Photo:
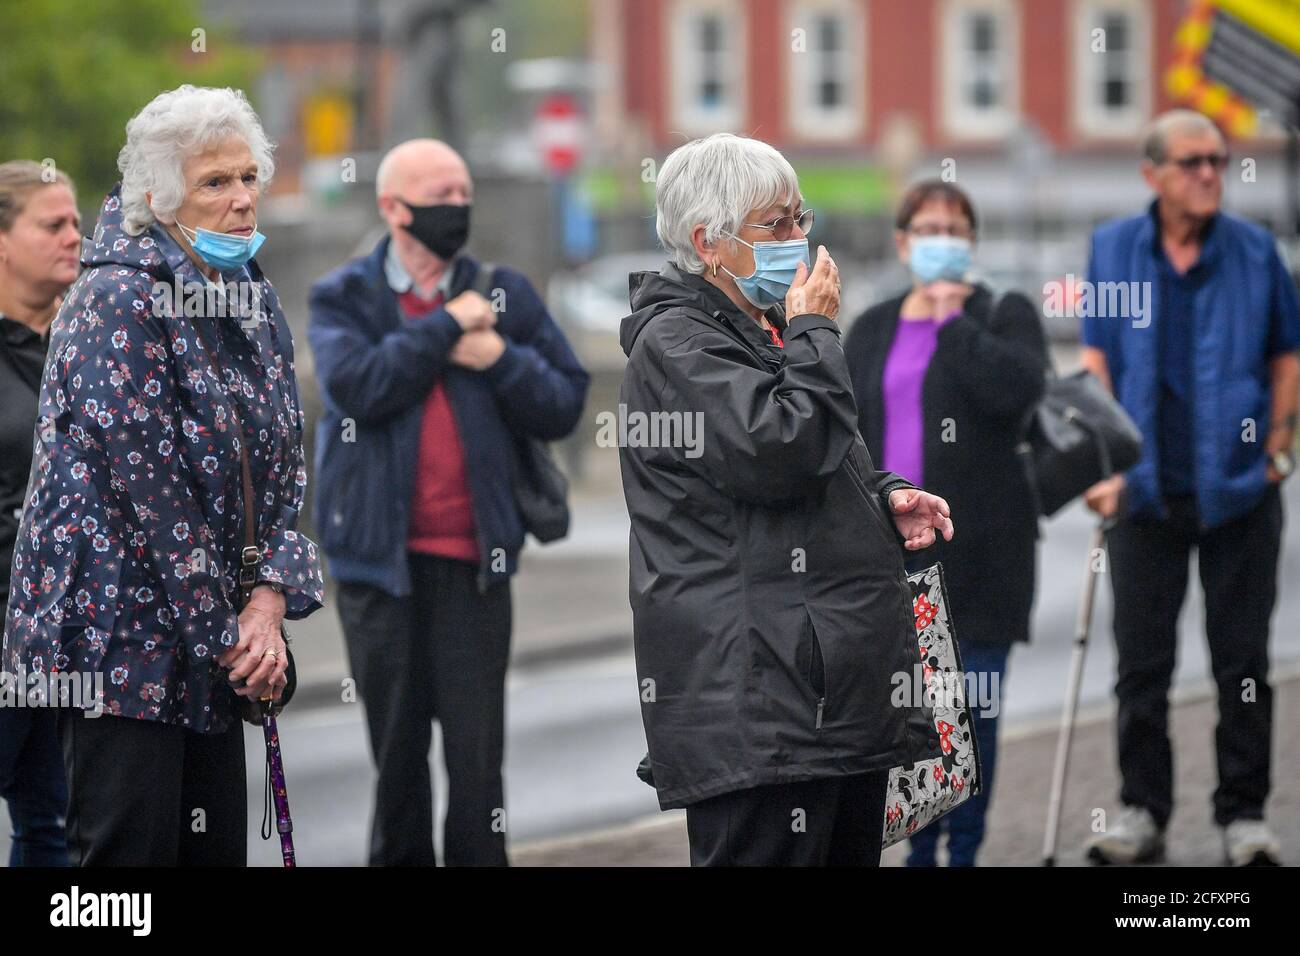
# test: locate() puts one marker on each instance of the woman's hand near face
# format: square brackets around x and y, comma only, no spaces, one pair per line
[946,297]
[262,674]
[817,293]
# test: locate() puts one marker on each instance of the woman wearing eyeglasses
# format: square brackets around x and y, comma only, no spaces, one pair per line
[943,375]
[770,610]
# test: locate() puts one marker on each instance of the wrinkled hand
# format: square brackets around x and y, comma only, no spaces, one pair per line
[471,311]
[917,515]
[1103,497]
[255,673]
[477,350]
[817,293]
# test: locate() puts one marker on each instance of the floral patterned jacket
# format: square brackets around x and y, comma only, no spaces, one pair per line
[129,546]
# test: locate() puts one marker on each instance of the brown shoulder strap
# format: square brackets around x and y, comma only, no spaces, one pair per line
[250,557]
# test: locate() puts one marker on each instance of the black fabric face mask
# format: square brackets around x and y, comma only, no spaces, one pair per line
[441,229]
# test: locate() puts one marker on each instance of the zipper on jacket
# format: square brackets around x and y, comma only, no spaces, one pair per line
[816,669]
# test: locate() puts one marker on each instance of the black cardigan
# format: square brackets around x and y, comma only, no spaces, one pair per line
[988,369]
[22,358]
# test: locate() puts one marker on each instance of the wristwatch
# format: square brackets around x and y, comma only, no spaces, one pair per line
[275,586]
[1283,463]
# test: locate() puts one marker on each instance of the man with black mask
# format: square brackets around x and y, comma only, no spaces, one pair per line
[428,386]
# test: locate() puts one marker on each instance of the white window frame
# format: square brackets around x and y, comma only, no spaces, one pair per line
[960,120]
[1091,117]
[805,116]
[685,67]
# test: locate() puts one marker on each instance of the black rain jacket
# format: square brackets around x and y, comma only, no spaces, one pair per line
[770,606]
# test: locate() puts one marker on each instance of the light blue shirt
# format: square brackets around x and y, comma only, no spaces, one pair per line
[400,281]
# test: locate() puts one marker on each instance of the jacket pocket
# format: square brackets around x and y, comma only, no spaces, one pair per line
[815,670]
[351,522]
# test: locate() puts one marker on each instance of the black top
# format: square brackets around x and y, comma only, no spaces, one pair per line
[1176,342]
[22,359]
[987,371]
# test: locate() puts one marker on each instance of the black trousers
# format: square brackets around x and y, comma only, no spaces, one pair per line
[440,653]
[1149,572]
[144,793]
[834,821]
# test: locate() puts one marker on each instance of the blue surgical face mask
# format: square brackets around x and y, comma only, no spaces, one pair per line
[775,266]
[221,250]
[932,258]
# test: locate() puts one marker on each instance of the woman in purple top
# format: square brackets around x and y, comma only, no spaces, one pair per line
[943,375]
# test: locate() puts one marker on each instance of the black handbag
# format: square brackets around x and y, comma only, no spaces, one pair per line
[540,488]
[1076,436]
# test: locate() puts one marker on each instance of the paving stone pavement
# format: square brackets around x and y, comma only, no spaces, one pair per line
[1018,812]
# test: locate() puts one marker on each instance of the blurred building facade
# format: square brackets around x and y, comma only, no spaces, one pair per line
[1017,99]
[340,82]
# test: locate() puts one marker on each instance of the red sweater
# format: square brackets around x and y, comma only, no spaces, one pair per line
[442,514]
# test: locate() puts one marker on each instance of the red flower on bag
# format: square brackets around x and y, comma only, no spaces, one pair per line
[925,612]
[938,773]
[945,730]
[958,783]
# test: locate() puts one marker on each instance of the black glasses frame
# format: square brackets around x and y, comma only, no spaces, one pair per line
[1192,164]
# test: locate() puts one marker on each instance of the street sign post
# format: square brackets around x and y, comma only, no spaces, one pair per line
[558,132]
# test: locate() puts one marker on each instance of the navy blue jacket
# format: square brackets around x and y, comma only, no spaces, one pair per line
[1246,314]
[375,370]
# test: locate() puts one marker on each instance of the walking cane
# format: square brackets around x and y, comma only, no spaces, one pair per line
[276,792]
[1082,627]
[250,558]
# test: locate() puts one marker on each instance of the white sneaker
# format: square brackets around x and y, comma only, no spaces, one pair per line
[1250,843]
[1133,837]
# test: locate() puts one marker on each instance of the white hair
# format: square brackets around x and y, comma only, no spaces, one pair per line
[1155,144]
[715,182]
[174,126]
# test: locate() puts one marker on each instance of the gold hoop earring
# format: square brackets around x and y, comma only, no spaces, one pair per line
[715,270]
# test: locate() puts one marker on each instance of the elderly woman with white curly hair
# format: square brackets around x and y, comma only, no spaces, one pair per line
[770,607]
[158,550]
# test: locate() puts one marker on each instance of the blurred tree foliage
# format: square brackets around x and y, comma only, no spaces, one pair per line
[72,72]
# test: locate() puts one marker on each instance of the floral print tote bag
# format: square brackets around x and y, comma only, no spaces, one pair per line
[922,792]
